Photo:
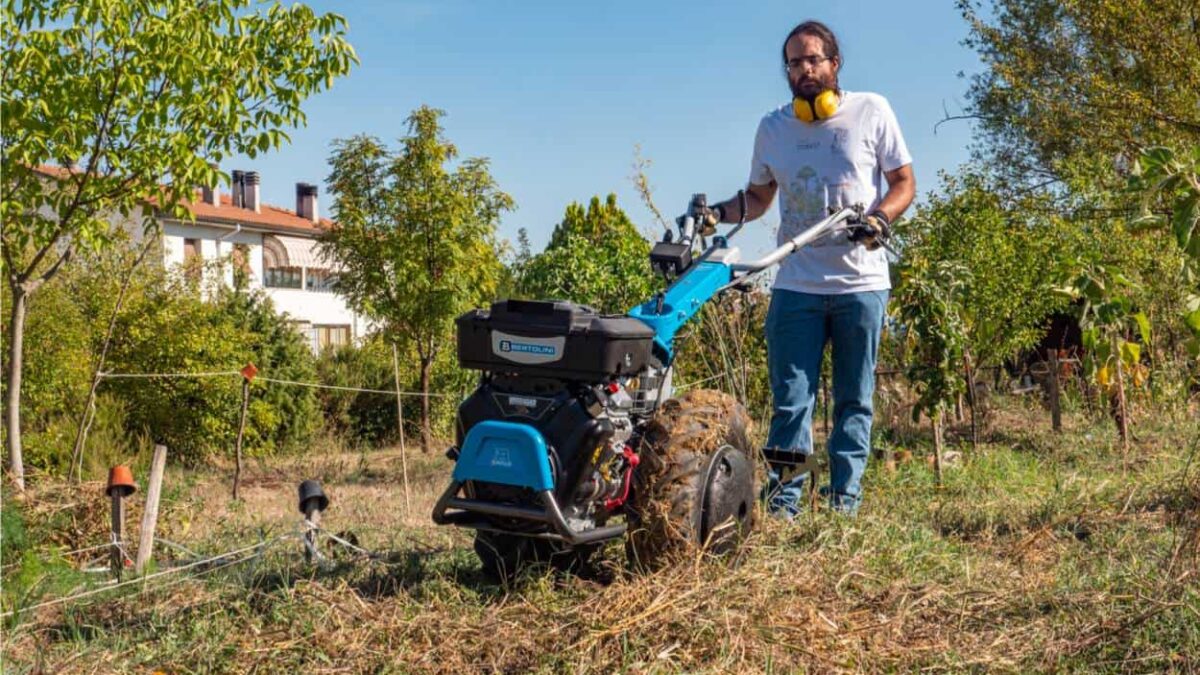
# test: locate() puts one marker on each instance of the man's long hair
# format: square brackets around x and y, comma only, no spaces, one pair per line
[828,41]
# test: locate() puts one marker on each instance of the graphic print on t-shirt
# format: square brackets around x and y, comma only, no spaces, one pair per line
[809,197]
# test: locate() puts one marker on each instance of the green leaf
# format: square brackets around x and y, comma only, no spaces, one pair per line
[1143,325]
[1192,321]
[1131,352]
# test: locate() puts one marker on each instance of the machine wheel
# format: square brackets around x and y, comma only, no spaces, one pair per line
[504,556]
[695,488]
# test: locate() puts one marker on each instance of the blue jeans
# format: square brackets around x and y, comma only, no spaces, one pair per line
[798,326]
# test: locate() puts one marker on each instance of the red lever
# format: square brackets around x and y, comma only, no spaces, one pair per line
[613,387]
[634,460]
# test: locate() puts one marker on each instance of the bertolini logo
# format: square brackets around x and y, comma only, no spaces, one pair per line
[527,350]
[510,346]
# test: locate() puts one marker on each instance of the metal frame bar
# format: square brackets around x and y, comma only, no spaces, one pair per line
[454,510]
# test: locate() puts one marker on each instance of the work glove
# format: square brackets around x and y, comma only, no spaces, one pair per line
[873,232]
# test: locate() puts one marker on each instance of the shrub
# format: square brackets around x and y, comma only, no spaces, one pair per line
[359,417]
[171,329]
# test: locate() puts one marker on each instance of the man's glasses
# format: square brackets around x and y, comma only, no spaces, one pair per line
[798,64]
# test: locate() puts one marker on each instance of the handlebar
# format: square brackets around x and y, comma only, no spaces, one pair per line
[821,229]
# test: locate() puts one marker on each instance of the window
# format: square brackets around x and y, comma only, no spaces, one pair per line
[320,281]
[193,260]
[331,336]
[191,249]
[281,277]
[240,257]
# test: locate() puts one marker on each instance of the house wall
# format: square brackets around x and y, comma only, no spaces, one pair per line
[213,247]
[316,309]
[307,308]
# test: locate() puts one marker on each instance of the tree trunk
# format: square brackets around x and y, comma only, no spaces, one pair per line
[426,430]
[16,340]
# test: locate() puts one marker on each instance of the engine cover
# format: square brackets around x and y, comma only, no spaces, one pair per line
[552,339]
[558,415]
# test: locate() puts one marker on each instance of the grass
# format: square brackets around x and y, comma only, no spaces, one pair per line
[1039,552]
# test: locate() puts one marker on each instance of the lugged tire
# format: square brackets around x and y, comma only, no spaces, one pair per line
[667,515]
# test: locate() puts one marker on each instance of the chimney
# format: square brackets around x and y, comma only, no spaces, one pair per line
[306,202]
[237,179]
[250,195]
[212,193]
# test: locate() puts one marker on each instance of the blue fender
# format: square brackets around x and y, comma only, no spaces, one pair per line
[507,453]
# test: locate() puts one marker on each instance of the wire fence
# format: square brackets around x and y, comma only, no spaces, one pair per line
[272,380]
[308,534]
[259,547]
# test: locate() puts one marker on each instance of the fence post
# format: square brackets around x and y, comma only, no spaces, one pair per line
[1055,403]
[400,422]
[150,516]
[115,558]
[248,372]
[120,486]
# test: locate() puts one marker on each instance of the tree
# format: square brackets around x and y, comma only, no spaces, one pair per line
[416,241]
[929,306]
[133,101]
[595,256]
[1069,85]
[1014,253]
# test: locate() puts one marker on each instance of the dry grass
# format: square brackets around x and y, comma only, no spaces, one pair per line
[1037,554]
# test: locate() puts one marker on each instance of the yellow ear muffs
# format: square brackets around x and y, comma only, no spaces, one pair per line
[822,107]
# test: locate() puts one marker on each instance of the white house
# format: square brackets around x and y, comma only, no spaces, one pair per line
[275,247]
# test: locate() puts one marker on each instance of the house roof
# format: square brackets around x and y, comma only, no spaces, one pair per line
[268,216]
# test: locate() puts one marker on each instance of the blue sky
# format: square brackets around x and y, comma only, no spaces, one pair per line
[557,94]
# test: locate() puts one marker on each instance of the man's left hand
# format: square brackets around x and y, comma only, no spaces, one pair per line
[873,232]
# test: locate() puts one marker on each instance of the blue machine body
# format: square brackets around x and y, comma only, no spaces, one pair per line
[506,453]
[682,301]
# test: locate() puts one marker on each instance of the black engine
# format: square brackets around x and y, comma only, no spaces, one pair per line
[562,369]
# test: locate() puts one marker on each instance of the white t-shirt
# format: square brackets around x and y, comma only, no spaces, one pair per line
[838,161]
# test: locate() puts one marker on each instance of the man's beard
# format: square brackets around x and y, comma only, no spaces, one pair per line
[809,89]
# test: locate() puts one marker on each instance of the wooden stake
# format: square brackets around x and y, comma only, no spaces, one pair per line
[813,490]
[1055,403]
[237,473]
[116,558]
[972,401]
[1122,404]
[825,410]
[400,422]
[150,516]
[937,445]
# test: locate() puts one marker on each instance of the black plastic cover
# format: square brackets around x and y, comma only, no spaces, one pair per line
[671,259]
[555,339]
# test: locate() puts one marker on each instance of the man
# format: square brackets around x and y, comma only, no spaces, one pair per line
[827,148]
